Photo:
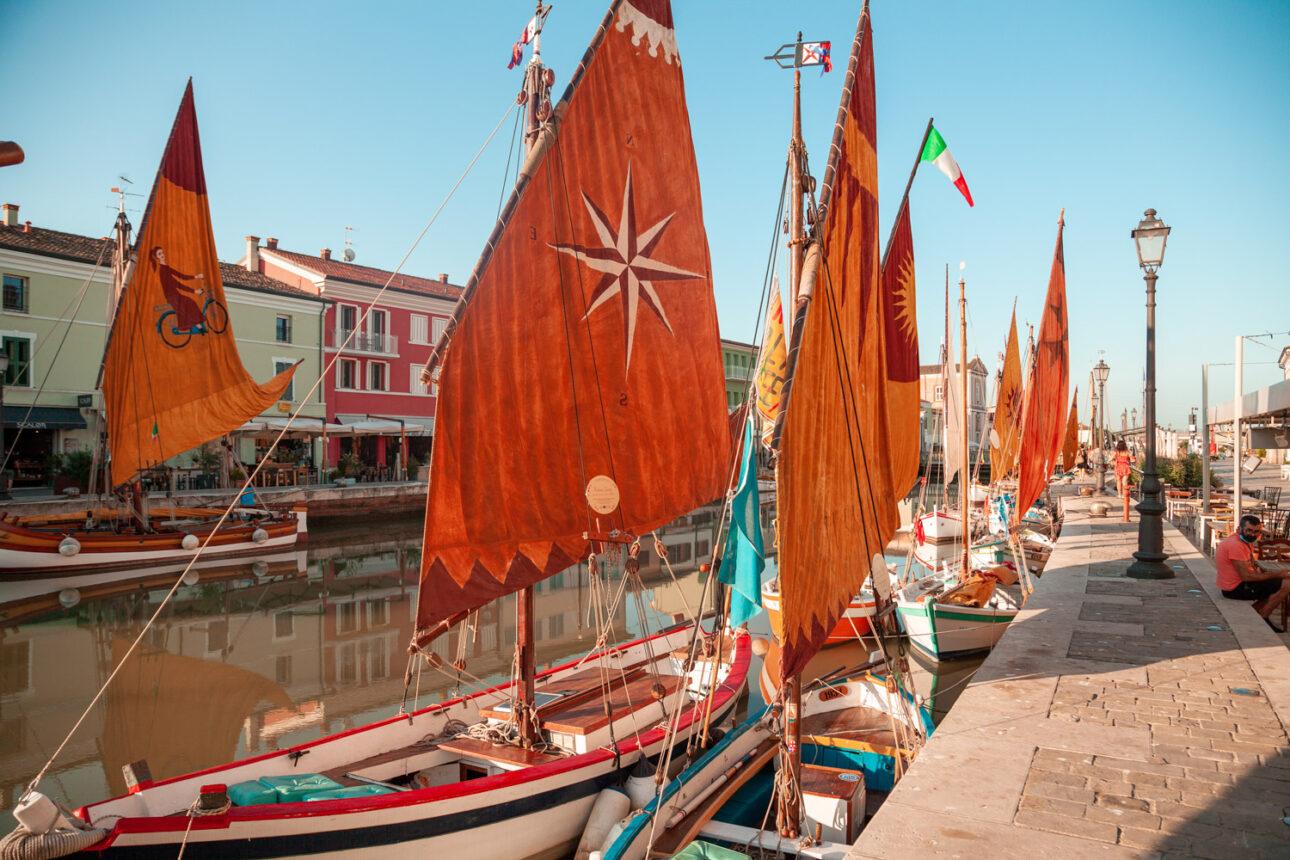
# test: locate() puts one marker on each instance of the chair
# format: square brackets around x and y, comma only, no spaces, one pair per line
[1272,496]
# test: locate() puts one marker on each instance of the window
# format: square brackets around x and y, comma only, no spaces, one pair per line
[347,373]
[284,624]
[555,626]
[19,351]
[282,329]
[348,319]
[15,667]
[940,392]
[283,670]
[377,376]
[346,617]
[440,326]
[15,294]
[279,365]
[378,327]
[415,385]
[378,613]
[420,328]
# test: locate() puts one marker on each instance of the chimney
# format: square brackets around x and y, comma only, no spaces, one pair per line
[271,243]
[443,277]
[253,253]
[26,226]
[325,253]
[9,215]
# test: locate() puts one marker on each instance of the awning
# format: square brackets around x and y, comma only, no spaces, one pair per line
[44,418]
[310,426]
[1267,403]
[375,427]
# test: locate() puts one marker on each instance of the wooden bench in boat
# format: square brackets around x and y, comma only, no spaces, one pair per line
[588,715]
[503,755]
[572,689]
[853,727]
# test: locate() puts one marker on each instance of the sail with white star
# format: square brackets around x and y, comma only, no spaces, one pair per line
[581,393]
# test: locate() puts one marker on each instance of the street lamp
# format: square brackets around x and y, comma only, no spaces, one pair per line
[1133,417]
[1150,237]
[1101,371]
[4,373]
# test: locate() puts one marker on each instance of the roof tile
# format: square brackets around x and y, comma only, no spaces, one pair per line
[367,275]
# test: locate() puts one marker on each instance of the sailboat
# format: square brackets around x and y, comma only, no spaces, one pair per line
[564,435]
[834,737]
[172,380]
[957,611]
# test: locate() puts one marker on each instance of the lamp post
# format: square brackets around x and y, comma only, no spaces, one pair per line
[4,479]
[1150,237]
[1101,372]
[1133,417]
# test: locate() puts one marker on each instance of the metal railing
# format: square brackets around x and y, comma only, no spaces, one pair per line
[361,341]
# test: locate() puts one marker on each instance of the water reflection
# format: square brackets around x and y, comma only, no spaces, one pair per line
[264,654]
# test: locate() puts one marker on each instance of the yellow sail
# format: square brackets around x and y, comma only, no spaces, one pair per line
[172,376]
[1005,442]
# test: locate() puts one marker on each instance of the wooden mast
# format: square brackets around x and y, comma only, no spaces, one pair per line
[790,812]
[536,94]
[965,478]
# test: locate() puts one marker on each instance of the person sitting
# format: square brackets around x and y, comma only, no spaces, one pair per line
[1235,563]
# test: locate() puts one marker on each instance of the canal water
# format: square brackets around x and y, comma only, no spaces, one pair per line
[256,655]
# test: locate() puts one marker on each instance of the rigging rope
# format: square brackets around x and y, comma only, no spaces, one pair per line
[250,478]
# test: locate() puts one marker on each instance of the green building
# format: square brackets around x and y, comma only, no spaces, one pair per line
[739,360]
[57,290]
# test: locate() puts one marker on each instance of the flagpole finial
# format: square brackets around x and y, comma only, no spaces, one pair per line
[1061,217]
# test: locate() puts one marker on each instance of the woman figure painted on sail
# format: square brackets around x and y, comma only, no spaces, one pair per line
[1123,466]
[188,312]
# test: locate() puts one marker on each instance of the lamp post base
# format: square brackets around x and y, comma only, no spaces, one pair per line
[1149,565]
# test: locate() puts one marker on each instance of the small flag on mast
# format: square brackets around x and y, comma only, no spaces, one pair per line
[817,54]
[517,50]
[938,153]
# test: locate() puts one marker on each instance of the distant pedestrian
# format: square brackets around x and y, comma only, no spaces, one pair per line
[1235,563]
[1083,457]
[1123,466]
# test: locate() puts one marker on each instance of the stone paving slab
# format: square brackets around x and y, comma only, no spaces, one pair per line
[1117,717]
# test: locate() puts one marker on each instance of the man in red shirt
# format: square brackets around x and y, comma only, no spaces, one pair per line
[1237,571]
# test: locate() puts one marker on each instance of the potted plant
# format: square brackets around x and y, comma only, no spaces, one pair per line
[71,470]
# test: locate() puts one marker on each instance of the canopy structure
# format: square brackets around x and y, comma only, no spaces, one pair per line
[1261,406]
[307,426]
[378,427]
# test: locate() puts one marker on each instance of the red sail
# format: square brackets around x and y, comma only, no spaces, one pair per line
[836,506]
[1070,445]
[1044,418]
[582,391]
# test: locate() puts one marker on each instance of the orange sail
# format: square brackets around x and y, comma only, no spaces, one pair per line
[172,376]
[1070,445]
[1006,439]
[1042,425]
[836,506]
[900,337]
[772,366]
[582,392]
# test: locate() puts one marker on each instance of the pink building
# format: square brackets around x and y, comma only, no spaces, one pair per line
[377,372]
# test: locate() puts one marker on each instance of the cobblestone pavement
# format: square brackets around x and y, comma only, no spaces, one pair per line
[1137,718]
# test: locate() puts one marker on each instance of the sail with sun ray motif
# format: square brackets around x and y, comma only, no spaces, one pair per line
[900,341]
[582,395]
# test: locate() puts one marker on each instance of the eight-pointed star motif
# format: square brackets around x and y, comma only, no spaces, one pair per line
[624,260]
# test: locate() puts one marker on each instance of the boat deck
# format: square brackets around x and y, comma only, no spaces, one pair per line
[864,725]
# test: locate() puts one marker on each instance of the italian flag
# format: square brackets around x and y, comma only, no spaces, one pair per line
[939,154]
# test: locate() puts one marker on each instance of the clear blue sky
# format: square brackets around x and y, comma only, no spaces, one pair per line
[319,115]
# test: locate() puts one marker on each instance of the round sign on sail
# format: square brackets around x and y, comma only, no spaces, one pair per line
[602,494]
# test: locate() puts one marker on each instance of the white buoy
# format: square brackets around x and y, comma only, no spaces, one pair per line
[259,536]
[69,597]
[189,542]
[260,569]
[191,577]
[611,805]
[69,546]
[37,813]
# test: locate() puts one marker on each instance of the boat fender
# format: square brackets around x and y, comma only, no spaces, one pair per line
[46,830]
[69,546]
[259,536]
[260,568]
[69,597]
[190,541]
[611,806]
[611,837]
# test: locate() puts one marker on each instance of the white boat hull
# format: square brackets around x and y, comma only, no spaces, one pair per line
[944,631]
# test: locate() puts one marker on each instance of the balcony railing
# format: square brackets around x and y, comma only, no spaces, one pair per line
[361,341]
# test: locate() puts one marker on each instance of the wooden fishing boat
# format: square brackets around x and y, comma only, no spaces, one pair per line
[939,526]
[854,622]
[946,630]
[432,780]
[54,546]
[837,502]
[583,446]
[172,380]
